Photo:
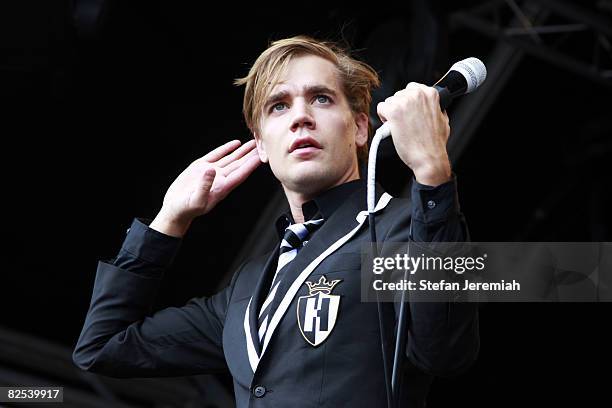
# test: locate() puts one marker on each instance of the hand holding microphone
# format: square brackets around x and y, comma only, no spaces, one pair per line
[419,126]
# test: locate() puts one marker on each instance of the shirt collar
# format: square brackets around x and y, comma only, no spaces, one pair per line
[322,205]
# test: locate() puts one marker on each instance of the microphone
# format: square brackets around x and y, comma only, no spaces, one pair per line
[462,78]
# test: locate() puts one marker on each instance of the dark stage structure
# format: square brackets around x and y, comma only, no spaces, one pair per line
[105,102]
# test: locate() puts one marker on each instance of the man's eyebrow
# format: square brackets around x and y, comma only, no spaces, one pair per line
[308,90]
[319,89]
[276,97]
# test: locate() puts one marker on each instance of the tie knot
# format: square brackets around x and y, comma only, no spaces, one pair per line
[296,234]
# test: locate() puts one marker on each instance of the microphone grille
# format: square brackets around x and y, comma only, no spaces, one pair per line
[473,70]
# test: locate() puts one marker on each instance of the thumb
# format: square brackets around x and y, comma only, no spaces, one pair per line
[207,179]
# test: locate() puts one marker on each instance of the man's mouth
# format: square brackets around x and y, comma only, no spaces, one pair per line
[304,143]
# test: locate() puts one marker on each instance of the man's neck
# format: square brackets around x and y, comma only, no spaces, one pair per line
[297,199]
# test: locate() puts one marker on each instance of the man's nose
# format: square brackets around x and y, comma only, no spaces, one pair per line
[302,116]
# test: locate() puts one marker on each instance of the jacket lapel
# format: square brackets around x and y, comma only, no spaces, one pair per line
[344,223]
[338,229]
[251,313]
[261,292]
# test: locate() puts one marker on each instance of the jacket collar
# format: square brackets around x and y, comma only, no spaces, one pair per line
[324,205]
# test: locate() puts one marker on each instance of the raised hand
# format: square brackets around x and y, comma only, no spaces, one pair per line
[200,187]
[420,132]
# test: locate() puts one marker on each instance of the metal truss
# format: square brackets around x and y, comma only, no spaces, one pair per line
[572,37]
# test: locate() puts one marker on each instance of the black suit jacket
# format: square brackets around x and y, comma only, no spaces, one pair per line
[122,338]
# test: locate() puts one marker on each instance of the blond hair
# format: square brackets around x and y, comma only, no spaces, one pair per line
[357,78]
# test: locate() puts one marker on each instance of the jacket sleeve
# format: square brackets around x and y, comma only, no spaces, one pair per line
[443,337]
[121,337]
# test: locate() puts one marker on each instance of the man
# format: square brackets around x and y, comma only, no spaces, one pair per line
[290,326]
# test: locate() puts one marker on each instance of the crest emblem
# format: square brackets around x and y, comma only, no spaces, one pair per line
[317,312]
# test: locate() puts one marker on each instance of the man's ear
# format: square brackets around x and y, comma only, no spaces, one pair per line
[261,150]
[361,136]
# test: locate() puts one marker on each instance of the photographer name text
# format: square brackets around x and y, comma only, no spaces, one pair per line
[442,285]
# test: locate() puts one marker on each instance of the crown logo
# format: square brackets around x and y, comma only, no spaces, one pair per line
[322,286]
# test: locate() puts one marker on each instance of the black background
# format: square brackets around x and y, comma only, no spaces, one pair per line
[96,127]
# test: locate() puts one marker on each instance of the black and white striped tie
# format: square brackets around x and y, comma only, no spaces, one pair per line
[295,238]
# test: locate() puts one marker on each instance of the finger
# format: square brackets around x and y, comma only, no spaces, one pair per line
[380,110]
[433,96]
[241,173]
[236,154]
[221,151]
[207,179]
[447,128]
[238,163]
[205,185]
[420,92]
[414,85]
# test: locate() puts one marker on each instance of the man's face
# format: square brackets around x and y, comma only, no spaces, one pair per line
[308,132]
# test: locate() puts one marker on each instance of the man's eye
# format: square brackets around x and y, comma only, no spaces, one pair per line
[323,99]
[277,107]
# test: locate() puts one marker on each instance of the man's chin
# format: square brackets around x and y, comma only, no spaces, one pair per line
[309,179]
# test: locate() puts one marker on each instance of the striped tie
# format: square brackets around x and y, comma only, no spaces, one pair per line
[294,239]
